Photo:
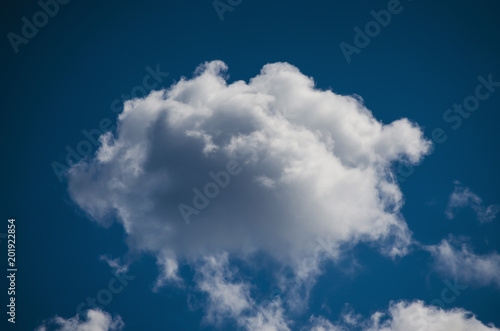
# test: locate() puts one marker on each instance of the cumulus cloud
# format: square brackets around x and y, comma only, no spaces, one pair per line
[466,266]
[462,197]
[97,320]
[223,158]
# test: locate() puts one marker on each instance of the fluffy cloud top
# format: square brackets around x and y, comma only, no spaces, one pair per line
[462,197]
[97,320]
[465,266]
[416,316]
[408,316]
[267,165]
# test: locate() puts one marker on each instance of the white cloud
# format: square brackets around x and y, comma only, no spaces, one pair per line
[229,298]
[462,197]
[96,320]
[416,316]
[268,318]
[465,266]
[226,298]
[249,179]
[322,172]
[168,271]
[408,316]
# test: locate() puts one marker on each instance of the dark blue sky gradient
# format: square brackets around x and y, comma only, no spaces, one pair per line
[66,78]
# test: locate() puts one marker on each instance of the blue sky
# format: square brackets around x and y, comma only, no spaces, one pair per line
[363,153]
